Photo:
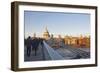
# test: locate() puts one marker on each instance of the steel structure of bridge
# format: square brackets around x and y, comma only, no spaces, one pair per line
[45,52]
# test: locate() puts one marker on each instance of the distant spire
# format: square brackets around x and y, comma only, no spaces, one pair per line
[46,30]
[34,35]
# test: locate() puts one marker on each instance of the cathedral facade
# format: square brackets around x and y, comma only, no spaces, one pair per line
[67,40]
[46,34]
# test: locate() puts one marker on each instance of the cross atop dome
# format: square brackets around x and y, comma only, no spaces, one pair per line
[46,30]
[46,34]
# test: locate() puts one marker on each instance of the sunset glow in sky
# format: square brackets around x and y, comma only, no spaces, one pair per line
[56,22]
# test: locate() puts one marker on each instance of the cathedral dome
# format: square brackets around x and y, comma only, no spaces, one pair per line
[46,34]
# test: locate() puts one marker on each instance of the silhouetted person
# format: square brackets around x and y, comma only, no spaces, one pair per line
[41,42]
[42,45]
[35,44]
[28,45]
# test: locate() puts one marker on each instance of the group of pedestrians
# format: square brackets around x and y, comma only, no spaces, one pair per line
[32,45]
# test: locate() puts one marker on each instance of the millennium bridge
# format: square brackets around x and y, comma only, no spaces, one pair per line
[48,53]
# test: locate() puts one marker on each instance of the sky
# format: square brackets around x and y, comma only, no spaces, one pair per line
[57,23]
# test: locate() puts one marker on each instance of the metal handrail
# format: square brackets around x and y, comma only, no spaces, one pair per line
[52,53]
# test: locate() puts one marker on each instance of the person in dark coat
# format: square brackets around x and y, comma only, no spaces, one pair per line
[42,45]
[28,46]
[35,44]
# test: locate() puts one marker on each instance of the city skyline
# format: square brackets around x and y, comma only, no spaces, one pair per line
[56,22]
